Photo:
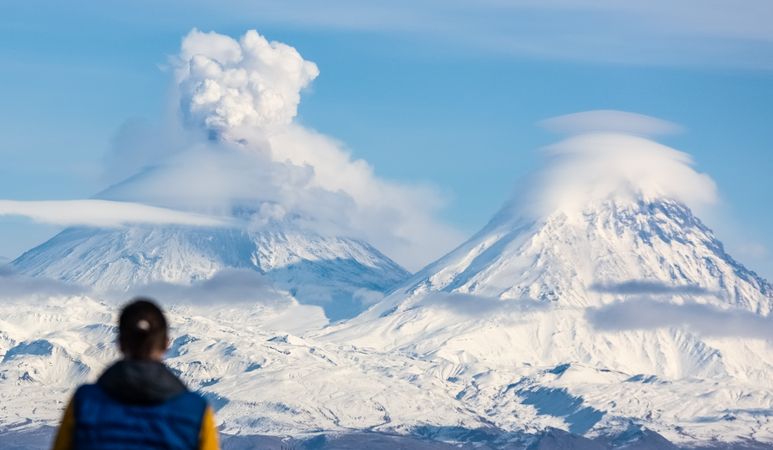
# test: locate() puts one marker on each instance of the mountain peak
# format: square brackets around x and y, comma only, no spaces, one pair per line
[565,255]
[594,168]
[512,320]
[327,271]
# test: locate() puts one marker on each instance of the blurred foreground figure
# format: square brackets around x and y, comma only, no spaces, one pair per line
[138,403]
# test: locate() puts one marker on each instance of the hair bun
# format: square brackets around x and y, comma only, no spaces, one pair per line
[143,325]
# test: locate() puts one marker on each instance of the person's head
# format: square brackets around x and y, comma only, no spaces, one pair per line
[142,330]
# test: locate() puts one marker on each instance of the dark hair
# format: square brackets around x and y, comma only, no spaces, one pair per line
[142,329]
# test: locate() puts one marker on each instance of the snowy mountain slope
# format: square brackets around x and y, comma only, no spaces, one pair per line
[506,317]
[264,381]
[606,252]
[560,257]
[498,344]
[260,379]
[435,359]
[120,258]
[328,271]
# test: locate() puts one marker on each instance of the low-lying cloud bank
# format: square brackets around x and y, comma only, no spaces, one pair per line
[13,286]
[479,306]
[706,320]
[644,287]
[228,286]
[224,288]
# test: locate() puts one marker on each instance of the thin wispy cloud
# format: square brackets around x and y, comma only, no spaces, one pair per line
[610,121]
[715,33]
[103,213]
[659,32]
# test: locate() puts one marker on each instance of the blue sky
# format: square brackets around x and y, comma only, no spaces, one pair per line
[446,93]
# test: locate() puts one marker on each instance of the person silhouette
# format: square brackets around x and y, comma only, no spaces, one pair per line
[138,403]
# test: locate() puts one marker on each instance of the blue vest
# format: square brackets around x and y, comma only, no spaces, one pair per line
[102,423]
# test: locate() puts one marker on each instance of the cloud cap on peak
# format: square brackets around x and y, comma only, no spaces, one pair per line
[601,165]
[224,83]
[590,168]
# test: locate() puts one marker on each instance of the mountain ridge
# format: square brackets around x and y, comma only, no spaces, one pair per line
[491,345]
[460,270]
[324,271]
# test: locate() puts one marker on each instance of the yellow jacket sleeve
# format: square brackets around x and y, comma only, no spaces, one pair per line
[64,435]
[208,439]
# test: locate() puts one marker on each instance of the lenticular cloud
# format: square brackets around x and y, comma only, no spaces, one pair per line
[607,157]
[226,83]
[610,120]
[597,166]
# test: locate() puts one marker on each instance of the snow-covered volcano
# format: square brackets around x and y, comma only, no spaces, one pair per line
[493,345]
[617,317]
[513,320]
[655,247]
[333,272]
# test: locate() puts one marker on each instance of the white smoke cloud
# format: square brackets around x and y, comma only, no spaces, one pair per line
[103,213]
[252,82]
[266,168]
[606,162]
[398,218]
